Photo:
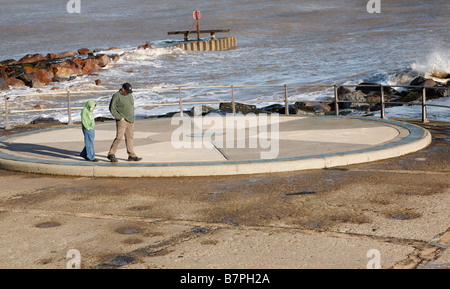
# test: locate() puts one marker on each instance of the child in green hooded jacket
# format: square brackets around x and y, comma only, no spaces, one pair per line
[88,126]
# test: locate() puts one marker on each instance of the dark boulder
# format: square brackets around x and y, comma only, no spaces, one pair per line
[3,85]
[367,87]
[6,72]
[314,107]
[59,79]
[27,78]
[274,108]
[9,62]
[145,46]
[102,60]
[43,76]
[240,107]
[30,58]
[351,99]
[44,64]
[114,57]
[433,89]
[429,83]
[45,120]
[36,84]
[77,62]
[410,96]
[437,92]
[66,54]
[64,70]
[343,90]
[84,51]
[374,88]
[14,82]
[29,68]
[200,110]
[420,81]
[90,66]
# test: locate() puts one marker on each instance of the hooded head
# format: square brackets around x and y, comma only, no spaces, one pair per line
[90,104]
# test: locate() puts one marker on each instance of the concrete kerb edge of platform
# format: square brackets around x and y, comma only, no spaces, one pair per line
[247,168]
[410,144]
[376,155]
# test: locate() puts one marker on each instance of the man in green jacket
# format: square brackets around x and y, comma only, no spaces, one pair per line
[122,108]
[88,126]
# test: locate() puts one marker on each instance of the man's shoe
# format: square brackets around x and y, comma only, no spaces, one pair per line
[95,160]
[112,158]
[134,159]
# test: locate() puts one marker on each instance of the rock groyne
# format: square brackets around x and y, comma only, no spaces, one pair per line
[37,70]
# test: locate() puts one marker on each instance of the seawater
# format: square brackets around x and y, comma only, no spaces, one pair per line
[279,42]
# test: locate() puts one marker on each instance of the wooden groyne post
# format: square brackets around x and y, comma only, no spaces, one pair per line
[207,45]
[213,44]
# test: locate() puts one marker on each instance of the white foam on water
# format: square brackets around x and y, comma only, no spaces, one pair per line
[435,65]
[415,111]
[278,43]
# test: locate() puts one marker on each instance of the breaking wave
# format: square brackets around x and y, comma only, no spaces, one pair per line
[436,65]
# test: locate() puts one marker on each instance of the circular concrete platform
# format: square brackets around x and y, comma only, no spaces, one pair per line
[217,145]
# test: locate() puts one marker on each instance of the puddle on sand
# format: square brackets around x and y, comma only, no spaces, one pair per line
[300,193]
[47,225]
[116,262]
[140,208]
[132,241]
[403,215]
[128,230]
[314,224]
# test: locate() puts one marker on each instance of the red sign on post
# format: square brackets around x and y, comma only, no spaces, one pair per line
[197,15]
